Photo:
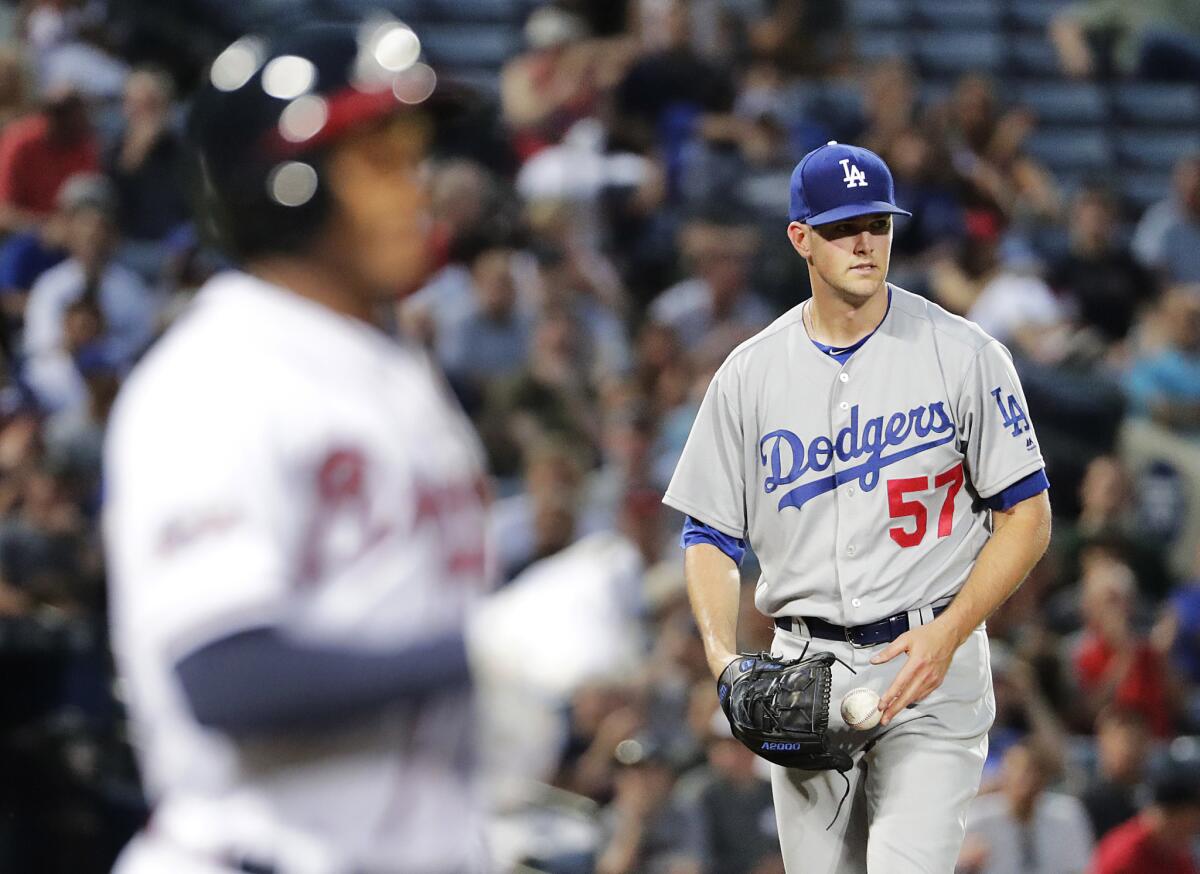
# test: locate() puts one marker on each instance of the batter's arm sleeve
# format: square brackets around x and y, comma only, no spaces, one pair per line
[709,482]
[1001,446]
[260,682]
[194,518]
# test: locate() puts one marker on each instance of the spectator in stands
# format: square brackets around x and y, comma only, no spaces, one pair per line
[796,37]
[74,436]
[737,815]
[1023,714]
[922,185]
[627,434]
[146,162]
[67,40]
[127,308]
[462,194]
[1160,839]
[547,396]
[1011,303]
[1113,795]
[1108,519]
[1115,666]
[1107,287]
[559,79]
[985,146]
[1152,39]
[581,286]
[647,830]
[39,153]
[1164,384]
[1167,239]
[1024,829]
[1180,628]
[491,336]
[889,106]
[57,380]
[25,256]
[718,293]
[670,84]
[14,87]
[601,716]
[552,477]
[47,550]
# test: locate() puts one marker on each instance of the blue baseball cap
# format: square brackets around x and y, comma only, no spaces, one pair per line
[835,182]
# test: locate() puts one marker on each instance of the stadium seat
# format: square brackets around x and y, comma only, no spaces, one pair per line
[1157,149]
[1072,150]
[1064,102]
[411,12]
[506,11]
[953,52]
[1159,104]
[483,80]
[461,45]
[1032,55]
[977,15]
[878,13]
[876,45]
[933,93]
[1140,189]
[1033,15]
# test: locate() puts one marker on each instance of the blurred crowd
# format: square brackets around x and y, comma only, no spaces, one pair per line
[611,228]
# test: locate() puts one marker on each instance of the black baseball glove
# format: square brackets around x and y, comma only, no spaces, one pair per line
[779,708]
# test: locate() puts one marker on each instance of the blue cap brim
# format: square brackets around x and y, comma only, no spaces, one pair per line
[853,210]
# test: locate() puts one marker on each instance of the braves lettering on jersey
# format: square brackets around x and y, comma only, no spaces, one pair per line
[272,462]
[859,485]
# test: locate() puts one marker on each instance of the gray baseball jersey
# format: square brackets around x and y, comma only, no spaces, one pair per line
[860,486]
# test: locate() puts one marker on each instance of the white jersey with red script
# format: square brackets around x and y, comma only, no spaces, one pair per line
[272,462]
[860,486]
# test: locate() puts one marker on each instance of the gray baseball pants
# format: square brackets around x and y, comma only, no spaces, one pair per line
[912,780]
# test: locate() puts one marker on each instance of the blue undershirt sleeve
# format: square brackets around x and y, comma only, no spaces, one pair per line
[695,531]
[261,683]
[1026,487]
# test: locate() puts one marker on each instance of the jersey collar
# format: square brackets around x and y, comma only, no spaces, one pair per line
[839,356]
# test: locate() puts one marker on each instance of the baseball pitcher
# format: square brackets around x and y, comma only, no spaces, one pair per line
[876,453]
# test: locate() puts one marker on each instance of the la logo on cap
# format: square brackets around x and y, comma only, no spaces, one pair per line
[854,177]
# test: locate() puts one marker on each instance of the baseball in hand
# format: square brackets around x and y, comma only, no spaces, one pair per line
[860,709]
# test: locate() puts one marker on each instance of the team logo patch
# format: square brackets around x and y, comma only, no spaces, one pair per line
[1012,415]
[789,458]
[854,177]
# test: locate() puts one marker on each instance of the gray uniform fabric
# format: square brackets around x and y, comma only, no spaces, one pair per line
[913,779]
[859,487]
[846,479]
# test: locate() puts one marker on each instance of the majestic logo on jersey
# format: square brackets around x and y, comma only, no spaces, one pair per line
[854,177]
[1011,414]
[789,458]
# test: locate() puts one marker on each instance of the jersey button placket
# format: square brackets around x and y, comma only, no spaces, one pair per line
[846,526]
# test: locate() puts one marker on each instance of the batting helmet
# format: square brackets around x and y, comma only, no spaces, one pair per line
[271,107]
